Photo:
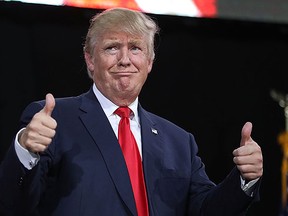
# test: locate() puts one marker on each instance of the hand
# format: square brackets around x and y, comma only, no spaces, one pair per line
[38,134]
[248,157]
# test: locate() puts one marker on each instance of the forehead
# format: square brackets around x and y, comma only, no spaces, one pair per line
[122,36]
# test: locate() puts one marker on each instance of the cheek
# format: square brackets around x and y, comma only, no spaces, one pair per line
[143,65]
[104,64]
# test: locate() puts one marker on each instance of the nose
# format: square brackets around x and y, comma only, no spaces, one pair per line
[123,58]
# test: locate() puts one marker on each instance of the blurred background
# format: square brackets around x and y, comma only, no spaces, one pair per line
[223,62]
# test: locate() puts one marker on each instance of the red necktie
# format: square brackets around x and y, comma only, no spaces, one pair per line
[133,160]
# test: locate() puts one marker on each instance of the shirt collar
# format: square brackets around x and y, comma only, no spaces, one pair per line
[110,107]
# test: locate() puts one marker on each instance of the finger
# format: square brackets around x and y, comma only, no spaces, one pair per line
[246,133]
[249,171]
[49,105]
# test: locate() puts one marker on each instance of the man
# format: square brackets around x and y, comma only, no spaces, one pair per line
[66,158]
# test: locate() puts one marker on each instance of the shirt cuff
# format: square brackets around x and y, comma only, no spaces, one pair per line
[248,187]
[28,159]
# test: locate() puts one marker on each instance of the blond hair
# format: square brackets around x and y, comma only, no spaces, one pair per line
[121,19]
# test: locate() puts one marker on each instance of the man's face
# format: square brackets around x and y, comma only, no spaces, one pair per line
[120,65]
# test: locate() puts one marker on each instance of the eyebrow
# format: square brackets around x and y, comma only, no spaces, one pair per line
[118,42]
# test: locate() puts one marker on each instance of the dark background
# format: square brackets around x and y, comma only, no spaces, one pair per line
[210,76]
[258,10]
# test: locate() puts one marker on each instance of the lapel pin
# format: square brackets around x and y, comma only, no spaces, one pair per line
[154,131]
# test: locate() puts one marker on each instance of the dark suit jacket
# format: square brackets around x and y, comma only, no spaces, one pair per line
[83,171]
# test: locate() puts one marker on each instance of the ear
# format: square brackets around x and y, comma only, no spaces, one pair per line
[150,64]
[89,61]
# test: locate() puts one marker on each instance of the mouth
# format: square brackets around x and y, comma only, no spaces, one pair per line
[124,73]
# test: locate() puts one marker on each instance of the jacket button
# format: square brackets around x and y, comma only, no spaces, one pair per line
[20,181]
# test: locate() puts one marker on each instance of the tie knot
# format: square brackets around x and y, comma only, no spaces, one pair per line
[123,112]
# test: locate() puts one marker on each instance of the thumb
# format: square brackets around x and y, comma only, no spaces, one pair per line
[246,133]
[49,105]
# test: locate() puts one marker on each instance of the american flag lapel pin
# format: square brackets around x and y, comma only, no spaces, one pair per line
[154,131]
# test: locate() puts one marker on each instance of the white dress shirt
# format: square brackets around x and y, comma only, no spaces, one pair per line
[109,109]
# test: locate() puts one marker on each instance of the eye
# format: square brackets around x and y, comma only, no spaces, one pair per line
[136,49]
[111,49]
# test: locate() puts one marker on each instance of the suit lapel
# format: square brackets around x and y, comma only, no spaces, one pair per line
[152,151]
[101,131]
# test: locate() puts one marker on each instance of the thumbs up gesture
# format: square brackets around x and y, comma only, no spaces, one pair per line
[248,157]
[38,134]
